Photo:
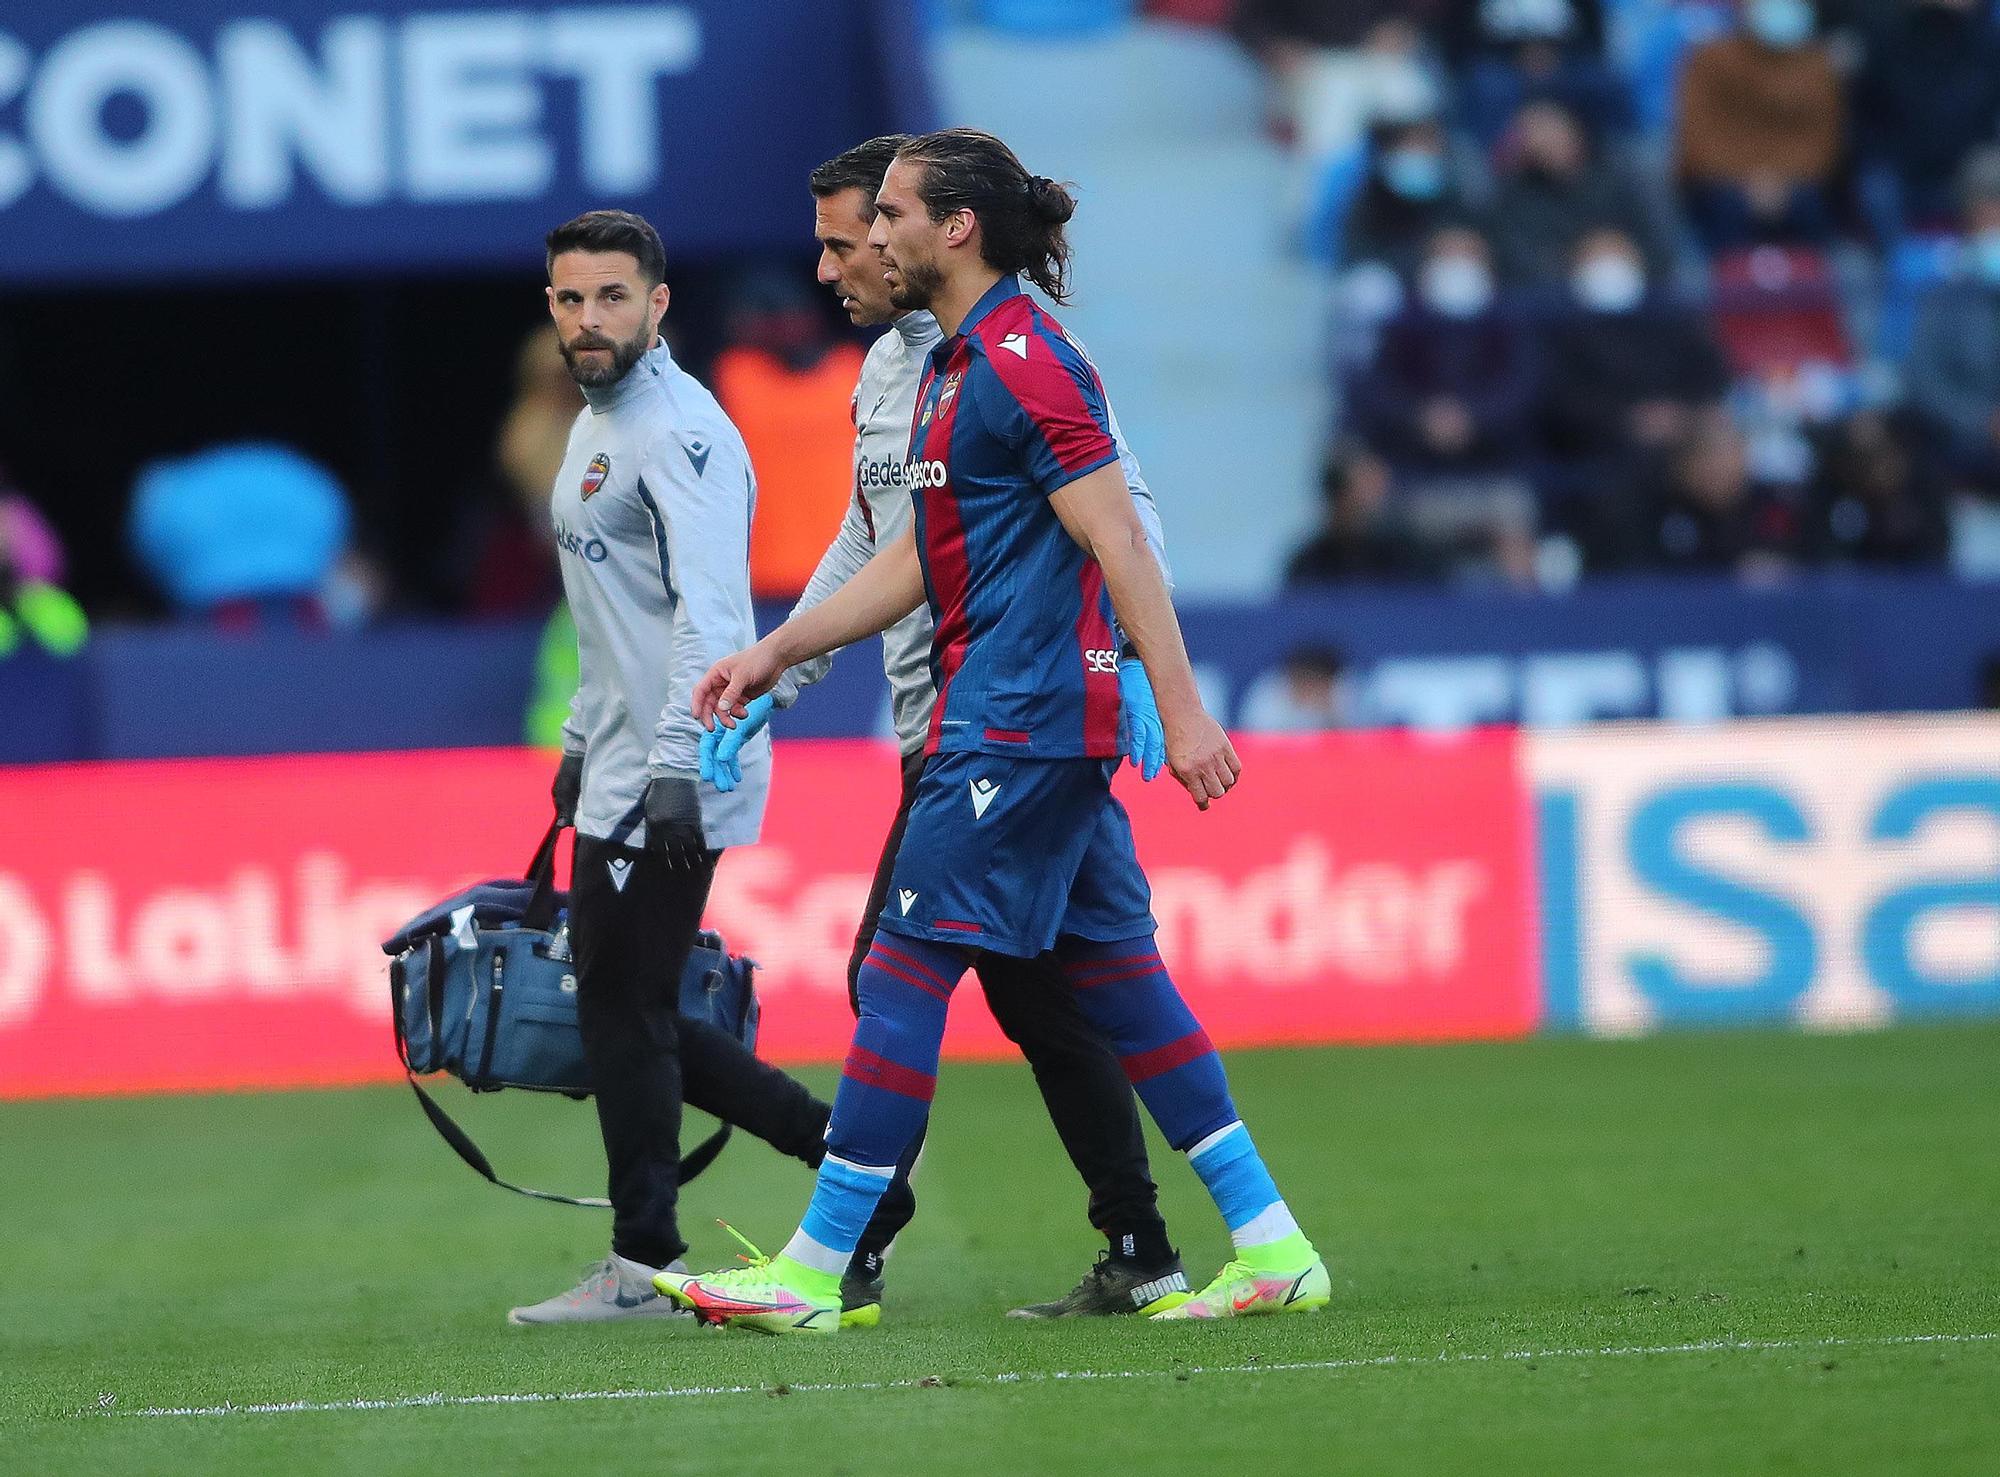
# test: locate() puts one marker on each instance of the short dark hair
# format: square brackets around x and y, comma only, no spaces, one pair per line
[1021,215]
[860,168]
[612,230]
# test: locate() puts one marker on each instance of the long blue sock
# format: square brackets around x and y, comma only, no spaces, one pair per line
[1242,1188]
[884,1095]
[1125,991]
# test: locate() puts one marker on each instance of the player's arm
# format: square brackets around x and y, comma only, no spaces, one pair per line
[1050,405]
[852,547]
[886,589]
[1098,511]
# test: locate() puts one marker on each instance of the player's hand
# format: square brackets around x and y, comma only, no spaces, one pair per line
[1202,759]
[1140,733]
[567,791]
[720,746]
[673,822]
[729,686]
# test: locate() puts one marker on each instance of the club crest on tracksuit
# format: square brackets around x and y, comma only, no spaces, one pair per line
[595,473]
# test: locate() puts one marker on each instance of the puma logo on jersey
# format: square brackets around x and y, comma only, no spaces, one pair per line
[907,898]
[983,792]
[1016,343]
[621,871]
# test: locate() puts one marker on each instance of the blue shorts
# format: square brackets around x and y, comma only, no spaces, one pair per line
[1011,854]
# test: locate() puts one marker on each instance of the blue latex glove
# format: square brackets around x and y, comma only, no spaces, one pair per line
[720,746]
[1140,733]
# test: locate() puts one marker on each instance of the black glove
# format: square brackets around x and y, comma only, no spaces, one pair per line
[568,788]
[673,823]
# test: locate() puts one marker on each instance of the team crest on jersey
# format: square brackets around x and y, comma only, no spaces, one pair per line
[595,473]
[950,389]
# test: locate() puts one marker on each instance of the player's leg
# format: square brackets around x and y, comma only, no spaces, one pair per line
[861,1286]
[1113,964]
[1092,1107]
[904,987]
[632,922]
[879,1109]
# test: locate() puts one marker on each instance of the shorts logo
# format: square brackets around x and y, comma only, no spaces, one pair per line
[621,872]
[983,792]
[907,898]
[595,473]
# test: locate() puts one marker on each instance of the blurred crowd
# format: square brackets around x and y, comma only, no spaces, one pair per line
[1647,285]
[1611,285]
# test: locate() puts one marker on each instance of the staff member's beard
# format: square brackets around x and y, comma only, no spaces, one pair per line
[592,375]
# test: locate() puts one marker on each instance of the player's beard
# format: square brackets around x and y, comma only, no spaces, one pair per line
[593,376]
[919,285]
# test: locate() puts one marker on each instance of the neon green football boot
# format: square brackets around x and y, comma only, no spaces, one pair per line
[1284,1277]
[767,1294]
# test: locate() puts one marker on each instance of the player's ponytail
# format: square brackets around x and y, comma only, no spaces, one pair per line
[1021,216]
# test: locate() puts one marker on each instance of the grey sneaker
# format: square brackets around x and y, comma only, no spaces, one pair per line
[1112,1287]
[614,1289]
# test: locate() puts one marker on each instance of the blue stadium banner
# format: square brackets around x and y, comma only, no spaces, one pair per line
[183,138]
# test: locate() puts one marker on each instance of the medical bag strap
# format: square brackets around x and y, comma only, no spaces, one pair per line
[541,910]
[462,1145]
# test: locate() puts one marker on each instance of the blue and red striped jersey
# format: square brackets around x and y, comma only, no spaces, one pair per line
[1023,655]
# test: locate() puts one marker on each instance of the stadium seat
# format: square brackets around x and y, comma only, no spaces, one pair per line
[1914,264]
[1054,17]
[1777,310]
[1333,196]
[1649,39]
[1214,13]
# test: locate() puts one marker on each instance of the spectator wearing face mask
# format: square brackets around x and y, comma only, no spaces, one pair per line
[1410,192]
[1337,67]
[1953,372]
[1308,693]
[1704,514]
[1761,120]
[1555,187]
[1874,501]
[1507,51]
[1449,401]
[1930,91]
[1363,536]
[1629,370]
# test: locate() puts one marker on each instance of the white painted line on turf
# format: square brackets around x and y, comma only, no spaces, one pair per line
[1037,1377]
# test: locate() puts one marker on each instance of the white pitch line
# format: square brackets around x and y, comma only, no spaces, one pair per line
[1037,1377]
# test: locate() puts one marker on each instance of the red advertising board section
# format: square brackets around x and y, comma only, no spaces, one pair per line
[212,924]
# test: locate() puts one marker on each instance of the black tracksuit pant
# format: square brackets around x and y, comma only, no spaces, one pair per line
[1085,1088]
[633,918]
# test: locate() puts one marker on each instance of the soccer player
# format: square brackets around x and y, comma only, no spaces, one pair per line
[1026,545]
[1085,1089]
[652,515]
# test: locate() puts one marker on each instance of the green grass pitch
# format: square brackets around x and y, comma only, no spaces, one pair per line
[1703,1253]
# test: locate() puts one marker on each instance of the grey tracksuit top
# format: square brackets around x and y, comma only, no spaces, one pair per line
[885,402]
[652,519]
